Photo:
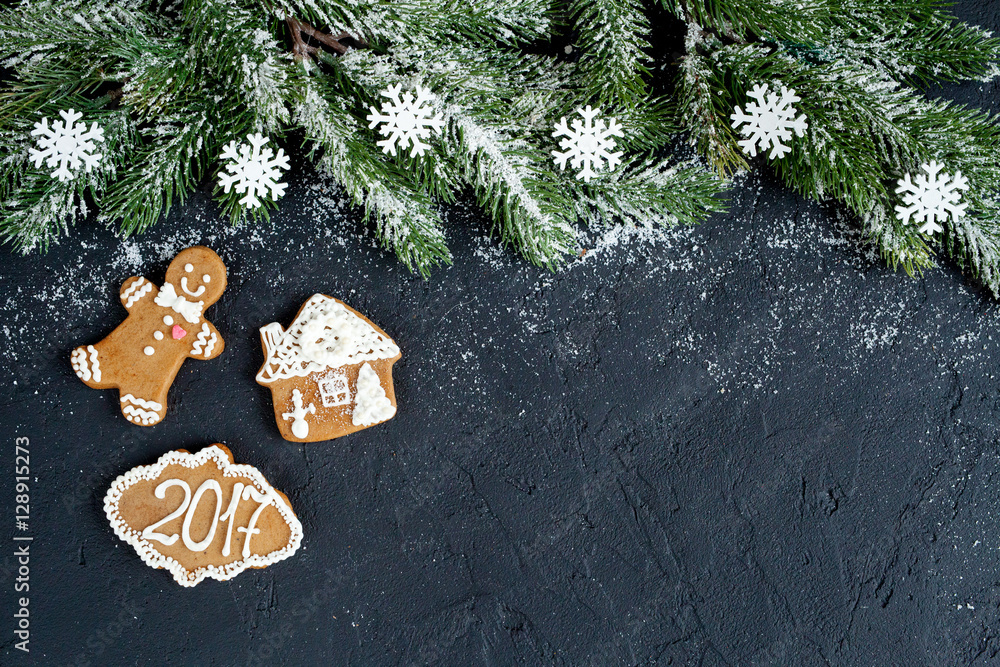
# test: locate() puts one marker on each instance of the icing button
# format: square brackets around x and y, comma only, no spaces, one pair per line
[149,350]
[177,332]
[168,320]
[158,335]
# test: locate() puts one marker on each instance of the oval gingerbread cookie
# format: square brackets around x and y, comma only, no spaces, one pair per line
[330,372]
[165,326]
[201,515]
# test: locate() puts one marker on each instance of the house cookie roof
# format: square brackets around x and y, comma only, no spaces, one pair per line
[326,334]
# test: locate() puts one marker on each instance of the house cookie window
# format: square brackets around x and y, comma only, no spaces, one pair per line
[333,391]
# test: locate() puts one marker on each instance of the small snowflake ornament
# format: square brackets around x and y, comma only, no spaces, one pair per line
[254,170]
[405,121]
[769,121]
[588,143]
[66,145]
[931,198]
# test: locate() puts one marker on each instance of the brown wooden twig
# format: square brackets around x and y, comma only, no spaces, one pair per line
[302,49]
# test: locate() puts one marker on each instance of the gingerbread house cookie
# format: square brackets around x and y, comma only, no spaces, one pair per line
[330,372]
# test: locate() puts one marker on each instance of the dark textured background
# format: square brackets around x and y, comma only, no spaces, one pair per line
[743,443]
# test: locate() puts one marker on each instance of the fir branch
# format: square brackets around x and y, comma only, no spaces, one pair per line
[865,132]
[505,171]
[854,143]
[966,140]
[302,49]
[486,22]
[58,51]
[169,160]
[912,41]
[405,218]
[424,22]
[613,36]
[242,58]
[704,113]
[528,209]
[651,191]
[39,209]
[525,92]
[42,210]
[743,21]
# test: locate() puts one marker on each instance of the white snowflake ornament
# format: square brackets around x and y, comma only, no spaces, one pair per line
[588,143]
[405,121]
[930,197]
[769,121]
[254,169]
[66,145]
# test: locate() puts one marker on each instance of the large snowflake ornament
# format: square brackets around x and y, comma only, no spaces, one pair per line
[769,121]
[588,143]
[405,121]
[254,169]
[66,144]
[930,197]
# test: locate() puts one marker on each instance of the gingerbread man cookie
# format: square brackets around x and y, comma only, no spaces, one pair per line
[164,327]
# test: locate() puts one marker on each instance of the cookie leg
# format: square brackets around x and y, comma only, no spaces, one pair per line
[86,364]
[142,411]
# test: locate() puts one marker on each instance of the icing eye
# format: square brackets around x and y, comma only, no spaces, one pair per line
[206,278]
[189,267]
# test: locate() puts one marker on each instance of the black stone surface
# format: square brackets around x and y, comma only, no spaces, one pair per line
[743,443]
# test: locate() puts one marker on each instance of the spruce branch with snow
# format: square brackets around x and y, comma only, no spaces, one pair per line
[176,86]
[828,93]
[858,68]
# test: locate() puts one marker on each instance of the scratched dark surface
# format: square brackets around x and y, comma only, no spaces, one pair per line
[744,443]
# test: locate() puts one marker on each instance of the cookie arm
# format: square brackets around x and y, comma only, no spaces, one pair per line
[208,343]
[136,289]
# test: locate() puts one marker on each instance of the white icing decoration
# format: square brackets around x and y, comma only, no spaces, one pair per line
[230,514]
[251,529]
[198,292]
[324,335]
[148,350]
[95,363]
[136,291]
[78,359]
[300,427]
[205,339]
[149,532]
[82,368]
[134,286]
[206,279]
[152,405]
[371,404]
[186,528]
[140,411]
[189,310]
[334,390]
[168,320]
[260,490]
[158,335]
[140,416]
[189,267]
